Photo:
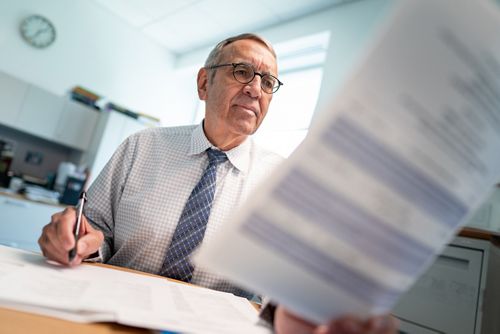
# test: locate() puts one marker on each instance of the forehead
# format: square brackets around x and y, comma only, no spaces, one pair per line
[251,52]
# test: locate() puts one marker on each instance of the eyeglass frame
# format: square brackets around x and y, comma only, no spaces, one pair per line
[234,65]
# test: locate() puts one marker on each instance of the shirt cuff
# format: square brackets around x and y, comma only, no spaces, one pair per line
[267,312]
[95,257]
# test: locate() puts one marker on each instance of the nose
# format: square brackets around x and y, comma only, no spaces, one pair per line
[252,88]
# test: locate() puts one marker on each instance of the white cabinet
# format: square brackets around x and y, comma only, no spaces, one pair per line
[21,221]
[111,130]
[76,125]
[57,119]
[40,113]
[459,294]
[487,216]
[12,92]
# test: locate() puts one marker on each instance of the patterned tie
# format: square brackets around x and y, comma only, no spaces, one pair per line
[193,222]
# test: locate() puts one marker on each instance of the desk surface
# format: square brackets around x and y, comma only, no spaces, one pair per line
[16,322]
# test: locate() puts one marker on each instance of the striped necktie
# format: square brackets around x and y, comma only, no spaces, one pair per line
[193,222]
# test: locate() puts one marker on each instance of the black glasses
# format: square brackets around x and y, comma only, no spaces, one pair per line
[245,73]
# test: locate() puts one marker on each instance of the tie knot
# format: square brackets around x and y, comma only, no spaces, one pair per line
[216,157]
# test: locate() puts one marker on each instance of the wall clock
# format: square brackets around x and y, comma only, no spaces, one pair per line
[38,31]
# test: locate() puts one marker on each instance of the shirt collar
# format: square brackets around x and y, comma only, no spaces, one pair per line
[238,156]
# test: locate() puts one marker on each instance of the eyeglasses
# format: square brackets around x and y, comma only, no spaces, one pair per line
[245,73]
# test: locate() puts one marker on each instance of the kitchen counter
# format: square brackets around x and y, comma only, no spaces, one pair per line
[8,193]
[22,220]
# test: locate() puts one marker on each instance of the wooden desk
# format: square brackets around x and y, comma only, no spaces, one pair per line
[17,322]
[475,233]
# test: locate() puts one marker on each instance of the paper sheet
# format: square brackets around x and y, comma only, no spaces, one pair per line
[394,165]
[92,293]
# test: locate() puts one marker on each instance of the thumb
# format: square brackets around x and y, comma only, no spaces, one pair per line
[89,243]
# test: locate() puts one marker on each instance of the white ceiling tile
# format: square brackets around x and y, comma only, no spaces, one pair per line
[185,25]
[286,9]
[235,15]
[157,9]
[164,33]
[183,30]
[142,12]
[125,10]
[164,7]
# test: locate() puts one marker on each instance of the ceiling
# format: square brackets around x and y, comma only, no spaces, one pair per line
[185,25]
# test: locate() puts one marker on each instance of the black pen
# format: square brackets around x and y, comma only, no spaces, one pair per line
[76,231]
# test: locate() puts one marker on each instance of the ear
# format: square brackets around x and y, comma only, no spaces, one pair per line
[202,82]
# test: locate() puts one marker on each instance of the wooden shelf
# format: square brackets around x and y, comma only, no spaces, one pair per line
[476,233]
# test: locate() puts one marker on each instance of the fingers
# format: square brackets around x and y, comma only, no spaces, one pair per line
[343,325]
[50,246]
[90,242]
[287,322]
[64,226]
[57,237]
[385,324]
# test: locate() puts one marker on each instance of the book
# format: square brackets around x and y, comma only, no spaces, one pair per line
[123,110]
[85,96]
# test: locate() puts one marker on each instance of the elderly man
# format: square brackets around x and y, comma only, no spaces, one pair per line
[166,190]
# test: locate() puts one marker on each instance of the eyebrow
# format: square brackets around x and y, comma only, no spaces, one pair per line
[263,72]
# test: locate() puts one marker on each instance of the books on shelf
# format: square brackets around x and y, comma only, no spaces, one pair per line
[85,96]
[140,117]
[96,101]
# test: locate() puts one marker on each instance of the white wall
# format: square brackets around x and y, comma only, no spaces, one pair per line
[351,25]
[183,95]
[93,49]
[96,50]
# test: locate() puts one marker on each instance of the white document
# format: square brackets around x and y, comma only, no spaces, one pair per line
[392,168]
[91,293]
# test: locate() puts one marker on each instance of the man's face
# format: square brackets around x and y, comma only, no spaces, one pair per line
[233,108]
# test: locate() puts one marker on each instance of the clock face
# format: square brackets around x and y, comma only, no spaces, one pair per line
[38,31]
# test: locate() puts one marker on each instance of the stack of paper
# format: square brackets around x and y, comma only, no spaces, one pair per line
[37,193]
[91,293]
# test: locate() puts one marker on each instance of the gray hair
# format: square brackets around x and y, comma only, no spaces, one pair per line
[216,54]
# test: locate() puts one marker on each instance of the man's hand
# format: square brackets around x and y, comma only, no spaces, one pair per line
[288,323]
[57,238]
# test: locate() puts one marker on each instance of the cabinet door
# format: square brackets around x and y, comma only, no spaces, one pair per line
[21,222]
[445,298]
[12,92]
[109,138]
[112,130]
[410,328]
[40,113]
[76,125]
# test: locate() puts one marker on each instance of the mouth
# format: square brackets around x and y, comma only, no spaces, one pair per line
[249,109]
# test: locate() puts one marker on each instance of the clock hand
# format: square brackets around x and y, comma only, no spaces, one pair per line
[40,32]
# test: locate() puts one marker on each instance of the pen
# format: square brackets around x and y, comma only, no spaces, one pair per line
[83,198]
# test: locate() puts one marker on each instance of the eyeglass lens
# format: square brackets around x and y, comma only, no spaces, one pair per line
[245,74]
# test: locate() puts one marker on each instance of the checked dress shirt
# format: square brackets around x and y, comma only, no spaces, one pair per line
[138,198]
